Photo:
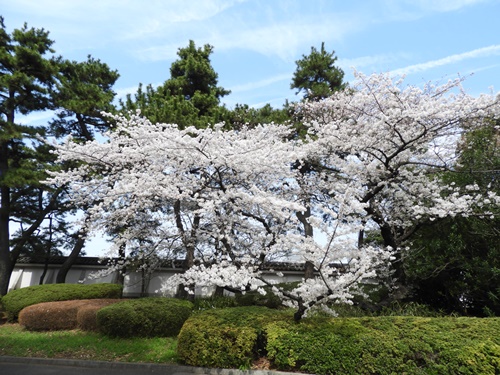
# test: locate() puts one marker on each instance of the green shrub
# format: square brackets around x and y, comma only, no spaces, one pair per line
[394,309]
[233,338]
[386,345]
[254,298]
[144,317]
[213,302]
[16,300]
[225,338]
[270,299]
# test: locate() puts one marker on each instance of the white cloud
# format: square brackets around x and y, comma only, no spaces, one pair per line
[115,11]
[284,39]
[443,5]
[411,10]
[371,62]
[83,24]
[260,84]
[452,59]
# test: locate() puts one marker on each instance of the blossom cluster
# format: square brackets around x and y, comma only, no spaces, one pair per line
[230,202]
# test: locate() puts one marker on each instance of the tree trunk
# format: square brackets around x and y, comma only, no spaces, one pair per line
[120,277]
[186,291]
[45,269]
[308,232]
[71,259]
[397,264]
[219,291]
[6,263]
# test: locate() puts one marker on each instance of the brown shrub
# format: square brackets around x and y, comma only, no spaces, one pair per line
[86,315]
[61,315]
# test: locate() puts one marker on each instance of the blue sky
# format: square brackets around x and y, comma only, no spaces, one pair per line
[257,42]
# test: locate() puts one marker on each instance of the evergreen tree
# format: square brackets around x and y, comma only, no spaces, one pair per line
[456,266]
[317,75]
[244,115]
[27,75]
[190,97]
[84,92]
[32,79]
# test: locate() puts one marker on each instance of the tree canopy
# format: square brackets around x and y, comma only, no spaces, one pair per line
[235,197]
[317,76]
[26,80]
[459,272]
[189,97]
[232,190]
[34,79]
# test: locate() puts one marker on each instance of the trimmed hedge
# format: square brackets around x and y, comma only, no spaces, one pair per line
[144,317]
[16,300]
[63,315]
[323,345]
[226,338]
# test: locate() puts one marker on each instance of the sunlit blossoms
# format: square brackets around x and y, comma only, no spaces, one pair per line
[230,202]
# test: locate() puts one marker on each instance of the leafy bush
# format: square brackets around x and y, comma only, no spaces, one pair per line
[395,308]
[62,315]
[16,300]
[86,317]
[254,298]
[144,317]
[324,345]
[387,345]
[227,338]
[213,302]
[270,299]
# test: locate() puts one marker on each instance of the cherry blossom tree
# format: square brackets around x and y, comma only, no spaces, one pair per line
[389,143]
[230,202]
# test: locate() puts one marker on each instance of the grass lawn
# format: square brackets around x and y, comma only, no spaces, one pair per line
[76,344]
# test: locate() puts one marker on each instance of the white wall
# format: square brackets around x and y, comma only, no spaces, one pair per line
[25,275]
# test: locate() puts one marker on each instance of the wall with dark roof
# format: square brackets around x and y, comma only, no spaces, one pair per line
[90,270]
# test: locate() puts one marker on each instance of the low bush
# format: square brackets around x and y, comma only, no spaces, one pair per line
[226,338]
[62,315]
[254,298]
[144,317]
[324,345]
[387,345]
[213,302]
[86,316]
[393,309]
[16,300]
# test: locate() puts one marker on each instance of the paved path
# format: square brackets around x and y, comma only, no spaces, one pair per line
[47,366]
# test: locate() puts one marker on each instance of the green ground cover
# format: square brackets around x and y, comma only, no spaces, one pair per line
[76,344]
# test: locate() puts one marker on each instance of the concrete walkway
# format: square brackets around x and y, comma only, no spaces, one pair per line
[48,366]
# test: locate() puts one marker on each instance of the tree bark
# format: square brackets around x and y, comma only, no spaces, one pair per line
[308,232]
[71,259]
[6,262]
[190,246]
[120,277]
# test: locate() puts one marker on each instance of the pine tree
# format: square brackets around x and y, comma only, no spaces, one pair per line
[84,92]
[190,97]
[27,76]
[317,75]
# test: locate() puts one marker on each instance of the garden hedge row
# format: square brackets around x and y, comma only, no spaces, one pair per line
[225,338]
[233,338]
[63,315]
[16,300]
[144,317]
